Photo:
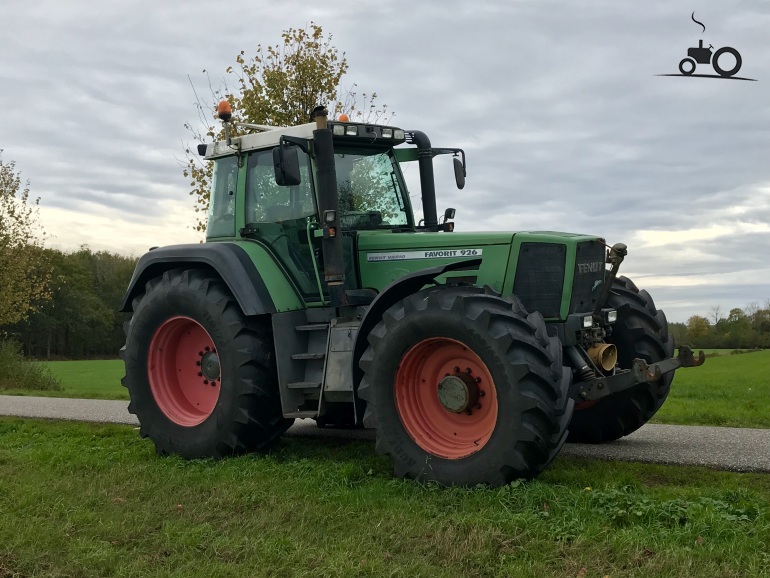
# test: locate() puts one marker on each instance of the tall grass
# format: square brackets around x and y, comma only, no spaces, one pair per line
[17,372]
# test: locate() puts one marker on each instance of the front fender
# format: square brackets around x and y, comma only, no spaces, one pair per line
[397,290]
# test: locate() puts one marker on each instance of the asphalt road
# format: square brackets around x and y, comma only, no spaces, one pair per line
[733,449]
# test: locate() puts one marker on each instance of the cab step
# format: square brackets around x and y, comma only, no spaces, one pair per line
[299,356]
[304,385]
[313,327]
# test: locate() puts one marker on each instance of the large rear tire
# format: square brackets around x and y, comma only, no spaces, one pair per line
[200,374]
[641,331]
[465,388]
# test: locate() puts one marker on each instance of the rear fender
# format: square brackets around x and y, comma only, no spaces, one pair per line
[228,260]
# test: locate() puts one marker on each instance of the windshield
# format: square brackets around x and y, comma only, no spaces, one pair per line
[370,191]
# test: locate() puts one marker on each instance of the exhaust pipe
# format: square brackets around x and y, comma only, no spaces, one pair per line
[328,200]
[427,183]
[604,355]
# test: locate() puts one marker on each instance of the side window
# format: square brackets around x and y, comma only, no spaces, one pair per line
[266,202]
[221,220]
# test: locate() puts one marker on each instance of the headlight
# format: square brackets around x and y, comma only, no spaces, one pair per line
[351,130]
[398,134]
[387,133]
[338,129]
[588,321]
[612,316]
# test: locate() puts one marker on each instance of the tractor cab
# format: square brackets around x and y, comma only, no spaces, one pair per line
[264,189]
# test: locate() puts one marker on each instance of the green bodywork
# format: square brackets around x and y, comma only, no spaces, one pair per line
[500,252]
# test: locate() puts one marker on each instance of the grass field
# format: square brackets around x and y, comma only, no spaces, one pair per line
[94,379]
[729,390]
[90,500]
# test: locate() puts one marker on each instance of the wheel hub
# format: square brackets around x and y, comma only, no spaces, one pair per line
[210,365]
[458,393]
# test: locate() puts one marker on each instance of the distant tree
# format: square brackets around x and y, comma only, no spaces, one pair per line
[736,330]
[279,86]
[678,331]
[761,320]
[697,330]
[736,314]
[716,314]
[24,270]
[751,309]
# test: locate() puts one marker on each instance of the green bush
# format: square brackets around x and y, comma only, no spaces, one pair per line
[18,372]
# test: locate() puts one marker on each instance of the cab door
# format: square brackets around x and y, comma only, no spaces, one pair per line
[282,218]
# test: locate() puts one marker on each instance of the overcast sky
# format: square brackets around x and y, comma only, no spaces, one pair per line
[557,104]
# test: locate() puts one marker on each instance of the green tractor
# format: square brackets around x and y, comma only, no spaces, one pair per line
[474,356]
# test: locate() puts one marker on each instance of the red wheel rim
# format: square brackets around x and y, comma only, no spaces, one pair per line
[436,364]
[183,369]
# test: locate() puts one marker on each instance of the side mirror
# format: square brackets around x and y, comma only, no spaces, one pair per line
[286,165]
[449,214]
[459,173]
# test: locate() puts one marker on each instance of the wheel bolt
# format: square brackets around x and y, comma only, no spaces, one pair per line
[200,354]
[481,393]
[207,348]
[197,363]
[200,374]
[205,382]
[468,412]
[457,370]
[477,406]
[478,380]
[467,370]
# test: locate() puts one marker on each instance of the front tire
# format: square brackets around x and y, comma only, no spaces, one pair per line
[200,374]
[465,388]
[641,331]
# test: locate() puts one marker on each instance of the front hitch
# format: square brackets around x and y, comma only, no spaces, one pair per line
[640,372]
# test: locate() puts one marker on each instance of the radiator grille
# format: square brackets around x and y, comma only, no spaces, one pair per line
[539,277]
[588,276]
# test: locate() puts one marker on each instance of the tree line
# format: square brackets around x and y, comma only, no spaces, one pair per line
[747,328]
[78,319]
